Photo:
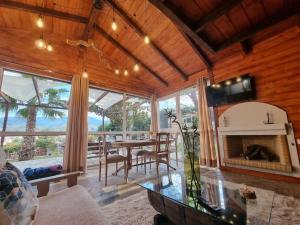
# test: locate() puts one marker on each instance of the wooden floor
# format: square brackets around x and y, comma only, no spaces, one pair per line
[116,188]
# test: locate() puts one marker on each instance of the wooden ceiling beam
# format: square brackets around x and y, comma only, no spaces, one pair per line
[260,27]
[46,11]
[202,55]
[129,54]
[217,12]
[93,17]
[142,34]
[182,23]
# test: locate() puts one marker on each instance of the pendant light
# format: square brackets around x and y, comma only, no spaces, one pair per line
[49,47]
[114,26]
[117,71]
[136,67]
[40,22]
[146,39]
[85,74]
[126,72]
[40,43]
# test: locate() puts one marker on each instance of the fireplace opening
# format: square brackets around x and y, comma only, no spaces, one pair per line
[260,151]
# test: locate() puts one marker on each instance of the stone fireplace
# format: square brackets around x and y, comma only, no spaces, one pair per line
[253,123]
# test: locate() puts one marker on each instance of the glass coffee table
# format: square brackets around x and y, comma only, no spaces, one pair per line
[217,202]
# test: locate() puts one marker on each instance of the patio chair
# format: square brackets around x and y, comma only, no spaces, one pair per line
[108,158]
[162,151]
[174,148]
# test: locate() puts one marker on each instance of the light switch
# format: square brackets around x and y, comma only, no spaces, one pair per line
[298,141]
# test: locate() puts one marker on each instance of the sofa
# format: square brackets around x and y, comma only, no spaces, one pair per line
[71,206]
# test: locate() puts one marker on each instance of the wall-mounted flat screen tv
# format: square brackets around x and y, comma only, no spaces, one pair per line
[234,90]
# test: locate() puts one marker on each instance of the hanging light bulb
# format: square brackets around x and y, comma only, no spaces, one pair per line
[117,71]
[238,79]
[40,43]
[85,74]
[136,67]
[126,72]
[49,48]
[146,39]
[40,22]
[114,25]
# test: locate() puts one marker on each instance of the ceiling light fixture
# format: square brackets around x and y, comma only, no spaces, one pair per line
[40,22]
[40,43]
[126,72]
[114,25]
[49,47]
[136,67]
[228,82]
[238,79]
[85,74]
[146,39]
[117,71]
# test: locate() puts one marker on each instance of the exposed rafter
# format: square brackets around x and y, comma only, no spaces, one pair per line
[99,98]
[202,55]
[36,88]
[129,54]
[246,46]
[259,27]
[89,28]
[181,22]
[219,11]
[142,34]
[46,11]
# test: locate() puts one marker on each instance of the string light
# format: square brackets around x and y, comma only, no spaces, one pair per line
[114,25]
[126,72]
[117,71]
[40,43]
[85,74]
[49,48]
[136,68]
[146,39]
[228,82]
[238,79]
[40,22]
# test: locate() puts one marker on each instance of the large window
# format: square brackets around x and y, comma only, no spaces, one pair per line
[34,115]
[117,115]
[189,107]
[165,105]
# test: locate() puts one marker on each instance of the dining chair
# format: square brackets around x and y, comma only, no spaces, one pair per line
[174,148]
[162,151]
[109,158]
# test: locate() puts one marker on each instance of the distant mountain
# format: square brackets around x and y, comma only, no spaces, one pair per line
[46,124]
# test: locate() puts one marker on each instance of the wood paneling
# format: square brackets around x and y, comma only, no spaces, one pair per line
[275,64]
[17,50]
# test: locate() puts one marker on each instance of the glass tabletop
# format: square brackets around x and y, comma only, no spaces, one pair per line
[220,199]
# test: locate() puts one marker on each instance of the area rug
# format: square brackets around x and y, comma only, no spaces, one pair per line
[136,210]
[133,210]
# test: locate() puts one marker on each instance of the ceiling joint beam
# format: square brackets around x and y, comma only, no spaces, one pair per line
[46,11]
[271,21]
[169,10]
[104,34]
[216,13]
[201,54]
[93,17]
[130,22]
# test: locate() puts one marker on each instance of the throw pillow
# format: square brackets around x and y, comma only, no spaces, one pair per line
[18,203]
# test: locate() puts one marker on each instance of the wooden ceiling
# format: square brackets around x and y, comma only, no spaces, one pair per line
[187,36]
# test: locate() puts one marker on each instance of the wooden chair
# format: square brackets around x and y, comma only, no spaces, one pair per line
[108,158]
[174,148]
[162,151]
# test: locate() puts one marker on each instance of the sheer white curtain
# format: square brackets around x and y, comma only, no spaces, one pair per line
[207,146]
[154,122]
[77,129]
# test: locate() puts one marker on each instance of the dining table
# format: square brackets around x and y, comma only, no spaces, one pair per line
[130,145]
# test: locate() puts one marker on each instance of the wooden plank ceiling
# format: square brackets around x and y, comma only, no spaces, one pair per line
[186,36]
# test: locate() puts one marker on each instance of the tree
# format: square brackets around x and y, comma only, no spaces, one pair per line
[30,111]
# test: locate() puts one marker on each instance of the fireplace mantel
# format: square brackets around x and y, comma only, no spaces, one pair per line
[265,129]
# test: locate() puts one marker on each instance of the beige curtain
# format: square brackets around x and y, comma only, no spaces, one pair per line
[77,130]
[207,147]
[154,122]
